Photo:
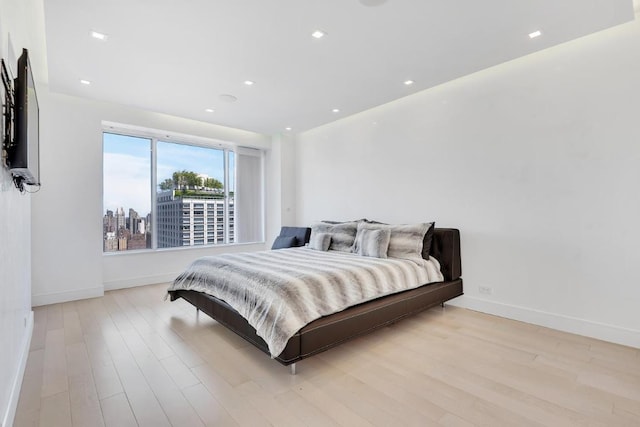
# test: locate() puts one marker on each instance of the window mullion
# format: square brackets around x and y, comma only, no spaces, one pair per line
[226,196]
[154,194]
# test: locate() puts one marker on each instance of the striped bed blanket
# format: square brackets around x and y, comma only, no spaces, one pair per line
[281,291]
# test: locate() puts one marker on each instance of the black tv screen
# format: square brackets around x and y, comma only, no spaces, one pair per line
[24,156]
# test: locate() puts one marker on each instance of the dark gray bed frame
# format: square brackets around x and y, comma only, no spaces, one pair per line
[329,331]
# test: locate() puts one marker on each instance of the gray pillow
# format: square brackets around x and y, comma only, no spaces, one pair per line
[320,241]
[328,221]
[373,243]
[426,242]
[406,240]
[342,235]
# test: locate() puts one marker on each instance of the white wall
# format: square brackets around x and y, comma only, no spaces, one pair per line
[536,161]
[16,319]
[67,220]
[18,28]
[281,183]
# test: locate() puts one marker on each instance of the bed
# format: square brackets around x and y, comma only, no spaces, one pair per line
[331,330]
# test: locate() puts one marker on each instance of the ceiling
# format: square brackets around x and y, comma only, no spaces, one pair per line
[180,57]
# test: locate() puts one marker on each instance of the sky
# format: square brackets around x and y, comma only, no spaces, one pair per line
[127,168]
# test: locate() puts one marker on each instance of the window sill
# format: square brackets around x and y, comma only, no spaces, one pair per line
[182,248]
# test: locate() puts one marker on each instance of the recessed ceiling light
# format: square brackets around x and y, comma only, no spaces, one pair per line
[249,82]
[85,82]
[535,34]
[98,35]
[287,128]
[336,110]
[409,82]
[318,34]
[209,110]
[227,98]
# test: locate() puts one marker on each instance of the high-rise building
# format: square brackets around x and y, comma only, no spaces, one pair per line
[133,221]
[110,242]
[189,218]
[108,223]
[147,225]
[121,221]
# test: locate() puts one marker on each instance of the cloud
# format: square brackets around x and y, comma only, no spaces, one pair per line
[176,157]
[127,183]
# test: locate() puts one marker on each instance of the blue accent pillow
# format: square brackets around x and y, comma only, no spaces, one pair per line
[301,234]
[282,242]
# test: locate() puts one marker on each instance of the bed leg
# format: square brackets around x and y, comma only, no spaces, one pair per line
[293,368]
[197,311]
[442,304]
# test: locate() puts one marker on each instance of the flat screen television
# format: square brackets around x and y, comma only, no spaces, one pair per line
[23,157]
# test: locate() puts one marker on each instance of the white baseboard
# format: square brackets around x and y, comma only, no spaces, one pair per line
[10,414]
[588,328]
[65,296]
[139,281]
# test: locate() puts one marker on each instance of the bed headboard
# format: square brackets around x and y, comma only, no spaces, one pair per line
[446,249]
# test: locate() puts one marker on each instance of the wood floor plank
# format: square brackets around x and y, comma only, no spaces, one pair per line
[179,372]
[54,317]
[330,405]
[175,406]
[450,420]
[187,354]
[54,372]
[215,351]
[117,412]
[56,411]
[267,405]
[105,375]
[385,381]
[145,406]
[207,407]
[30,401]
[27,419]
[85,406]
[367,402]
[72,327]
[242,412]
[172,340]
[306,412]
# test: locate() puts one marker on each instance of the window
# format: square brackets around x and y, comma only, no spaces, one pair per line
[165,194]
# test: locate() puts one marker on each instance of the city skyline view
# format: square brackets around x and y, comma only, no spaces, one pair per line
[127,169]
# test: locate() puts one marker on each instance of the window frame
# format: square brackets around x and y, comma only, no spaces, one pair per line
[155,136]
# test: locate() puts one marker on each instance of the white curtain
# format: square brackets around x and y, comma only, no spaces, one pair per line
[248,208]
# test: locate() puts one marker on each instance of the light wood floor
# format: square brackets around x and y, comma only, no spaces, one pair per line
[131,358]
